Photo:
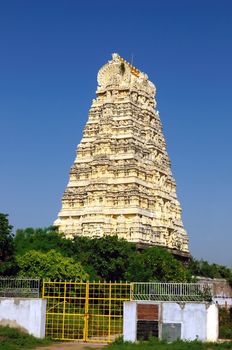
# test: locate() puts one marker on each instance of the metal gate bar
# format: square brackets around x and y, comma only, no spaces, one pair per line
[85,311]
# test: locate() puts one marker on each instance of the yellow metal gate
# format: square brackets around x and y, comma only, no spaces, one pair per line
[85,311]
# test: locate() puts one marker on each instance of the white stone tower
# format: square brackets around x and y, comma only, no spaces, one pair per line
[121,181]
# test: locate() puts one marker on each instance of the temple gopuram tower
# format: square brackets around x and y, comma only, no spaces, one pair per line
[121,181]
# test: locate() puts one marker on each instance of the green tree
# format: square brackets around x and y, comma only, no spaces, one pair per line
[51,265]
[7,263]
[110,258]
[104,258]
[205,269]
[42,239]
[6,238]
[156,264]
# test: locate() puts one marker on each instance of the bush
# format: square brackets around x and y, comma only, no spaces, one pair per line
[14,339]
[156,264]
[51,265]
[225,323]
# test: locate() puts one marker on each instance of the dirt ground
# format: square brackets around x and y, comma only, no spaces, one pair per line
[73,346]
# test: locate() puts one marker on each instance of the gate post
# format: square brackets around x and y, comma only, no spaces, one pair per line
[63,321]
[86,315]
[109,323]
[43,289]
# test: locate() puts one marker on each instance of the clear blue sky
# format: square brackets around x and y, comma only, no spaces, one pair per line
[50,53]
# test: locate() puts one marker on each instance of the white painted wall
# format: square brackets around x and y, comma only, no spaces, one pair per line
[129,320]
[212,323]
[191,316]
[198,320]
[223,301]
[26,314]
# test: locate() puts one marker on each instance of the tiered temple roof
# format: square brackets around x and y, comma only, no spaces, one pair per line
[121,181]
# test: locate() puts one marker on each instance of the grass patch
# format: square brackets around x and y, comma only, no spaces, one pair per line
[14,339]
[155,344]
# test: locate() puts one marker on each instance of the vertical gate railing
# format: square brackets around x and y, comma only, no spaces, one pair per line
[19,287]
[159,291]
[85,311]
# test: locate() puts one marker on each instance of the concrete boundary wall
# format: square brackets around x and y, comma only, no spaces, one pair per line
[27,314]
[193,320]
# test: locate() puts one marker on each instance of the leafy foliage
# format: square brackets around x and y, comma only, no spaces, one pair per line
[50,265]
[225,323]
[42,239]
[155,344]
[6,238]
[203,268]
[105,258]
[156,264]
[7,257]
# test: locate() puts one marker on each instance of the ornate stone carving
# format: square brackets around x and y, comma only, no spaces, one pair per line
[121,182]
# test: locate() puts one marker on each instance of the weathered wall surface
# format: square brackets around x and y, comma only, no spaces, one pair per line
[212,327]
[191,316]
[28,315]
[198,320]
[223,301]
[129,320]
[193,320]
[222,291]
